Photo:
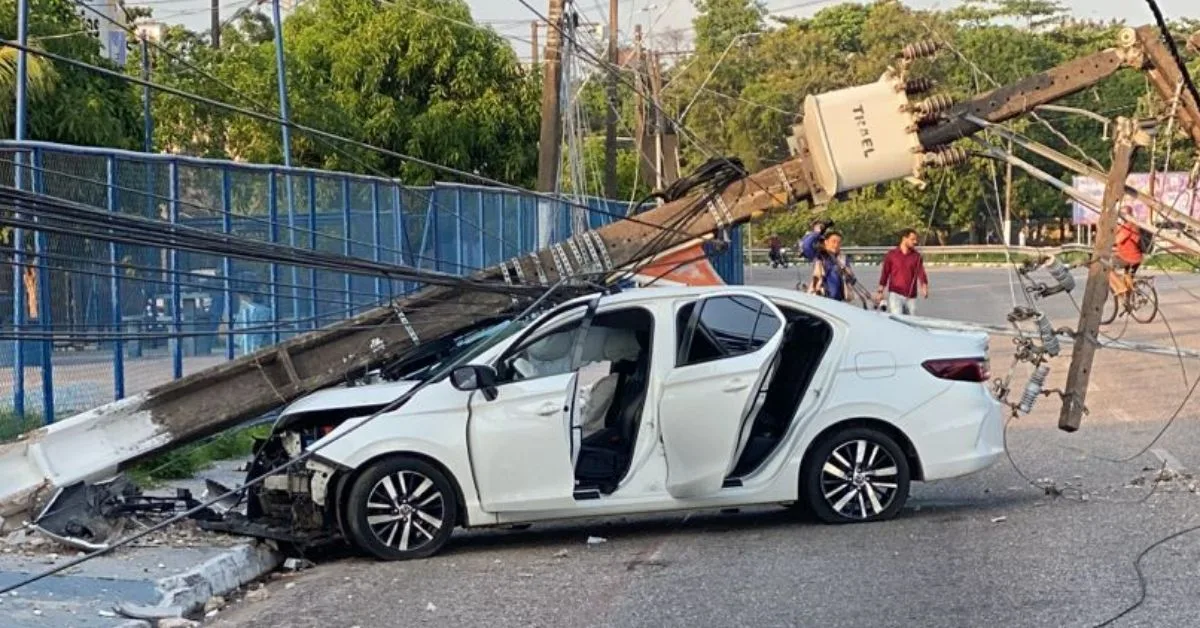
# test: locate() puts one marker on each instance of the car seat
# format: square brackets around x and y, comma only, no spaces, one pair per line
[605,455]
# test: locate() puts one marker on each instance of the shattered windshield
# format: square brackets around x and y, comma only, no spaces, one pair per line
[455,348]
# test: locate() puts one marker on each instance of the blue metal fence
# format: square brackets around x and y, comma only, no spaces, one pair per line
[109,320]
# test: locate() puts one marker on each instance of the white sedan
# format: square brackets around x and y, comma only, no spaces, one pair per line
[645,401]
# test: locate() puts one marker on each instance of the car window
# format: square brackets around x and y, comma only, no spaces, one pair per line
[542,355]
[728,326]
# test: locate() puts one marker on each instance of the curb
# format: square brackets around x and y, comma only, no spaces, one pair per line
[187,592]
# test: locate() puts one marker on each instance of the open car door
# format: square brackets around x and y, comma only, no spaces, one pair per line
[726,347]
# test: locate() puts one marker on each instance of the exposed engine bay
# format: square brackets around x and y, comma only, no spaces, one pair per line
[299,507]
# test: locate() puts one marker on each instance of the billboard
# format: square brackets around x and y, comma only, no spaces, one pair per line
[110,32]
[1171,188]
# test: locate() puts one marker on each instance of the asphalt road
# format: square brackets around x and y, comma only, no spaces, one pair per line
[985,550]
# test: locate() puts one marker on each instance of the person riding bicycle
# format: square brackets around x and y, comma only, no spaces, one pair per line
[1128,254]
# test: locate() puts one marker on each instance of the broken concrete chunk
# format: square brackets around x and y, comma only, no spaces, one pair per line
[16,537]
[177,622]
[297,564]
[596,540]
[257,595]
[150,613]
[215,602]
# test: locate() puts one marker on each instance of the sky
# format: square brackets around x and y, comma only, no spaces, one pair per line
[512,19]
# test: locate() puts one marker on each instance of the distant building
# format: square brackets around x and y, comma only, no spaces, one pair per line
[105,20]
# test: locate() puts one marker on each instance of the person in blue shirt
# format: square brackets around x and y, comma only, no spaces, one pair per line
[832,276]
[812,240]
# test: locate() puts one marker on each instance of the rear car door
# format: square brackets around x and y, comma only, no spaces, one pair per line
[726,349]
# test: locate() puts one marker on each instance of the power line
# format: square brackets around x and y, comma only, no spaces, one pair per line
[310,130]
[43,213]
[324,136]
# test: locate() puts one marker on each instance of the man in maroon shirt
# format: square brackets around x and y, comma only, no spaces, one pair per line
[900,275]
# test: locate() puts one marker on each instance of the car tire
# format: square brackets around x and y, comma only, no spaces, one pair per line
[856,475]
[401,508]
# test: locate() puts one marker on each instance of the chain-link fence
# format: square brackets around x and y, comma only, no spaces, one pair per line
[89,321]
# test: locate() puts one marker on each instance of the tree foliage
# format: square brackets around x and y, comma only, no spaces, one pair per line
[66,102]
[420,78]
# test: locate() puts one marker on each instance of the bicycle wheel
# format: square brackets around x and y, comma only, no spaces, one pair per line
[1111,307]
[1145,301]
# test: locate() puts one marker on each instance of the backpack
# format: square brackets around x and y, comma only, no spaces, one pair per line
[1145,240]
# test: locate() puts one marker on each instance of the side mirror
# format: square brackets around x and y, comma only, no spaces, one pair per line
[475,377]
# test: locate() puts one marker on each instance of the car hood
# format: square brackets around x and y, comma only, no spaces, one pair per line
[343,397]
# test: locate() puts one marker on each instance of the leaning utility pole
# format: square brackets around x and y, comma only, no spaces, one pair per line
[550,142]
[610,121]
[640,83]
[1095,292]
[666,142]
[216,24]
[533,41]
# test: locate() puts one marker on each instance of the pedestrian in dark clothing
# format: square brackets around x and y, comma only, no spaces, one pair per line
[902,273]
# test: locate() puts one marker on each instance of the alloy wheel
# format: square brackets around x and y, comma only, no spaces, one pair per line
[859,479]
[405,510]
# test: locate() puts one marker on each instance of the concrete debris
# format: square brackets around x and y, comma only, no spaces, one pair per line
[1000,519]
[150,613]
[257,595]
[214,603]
[289,585]
[297,564]
[562,553]
[430,607]
[177,622]
[16,537]
[596,540]
[106,613]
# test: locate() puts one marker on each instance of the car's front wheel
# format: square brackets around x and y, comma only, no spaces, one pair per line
[857,474]
[401,508]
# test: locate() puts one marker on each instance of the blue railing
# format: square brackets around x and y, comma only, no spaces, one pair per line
[108,320]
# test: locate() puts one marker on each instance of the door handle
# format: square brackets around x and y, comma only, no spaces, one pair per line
[735,385]
[546,408]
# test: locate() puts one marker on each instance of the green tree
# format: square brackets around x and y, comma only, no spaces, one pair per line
[67,104]
[394,75]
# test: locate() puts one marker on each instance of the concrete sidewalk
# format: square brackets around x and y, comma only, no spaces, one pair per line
[172,571]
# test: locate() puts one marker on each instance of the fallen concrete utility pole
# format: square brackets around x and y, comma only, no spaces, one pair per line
[851,138]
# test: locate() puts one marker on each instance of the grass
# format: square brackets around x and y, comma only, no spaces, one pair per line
[186,462]
[13,425]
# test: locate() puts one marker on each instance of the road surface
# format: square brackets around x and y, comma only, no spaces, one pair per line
[986,550]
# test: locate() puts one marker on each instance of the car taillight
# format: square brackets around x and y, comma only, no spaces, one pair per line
[959,369]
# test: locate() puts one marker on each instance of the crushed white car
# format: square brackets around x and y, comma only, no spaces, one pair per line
[638,402]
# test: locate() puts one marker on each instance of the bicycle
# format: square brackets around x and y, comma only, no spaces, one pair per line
[1136,303]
